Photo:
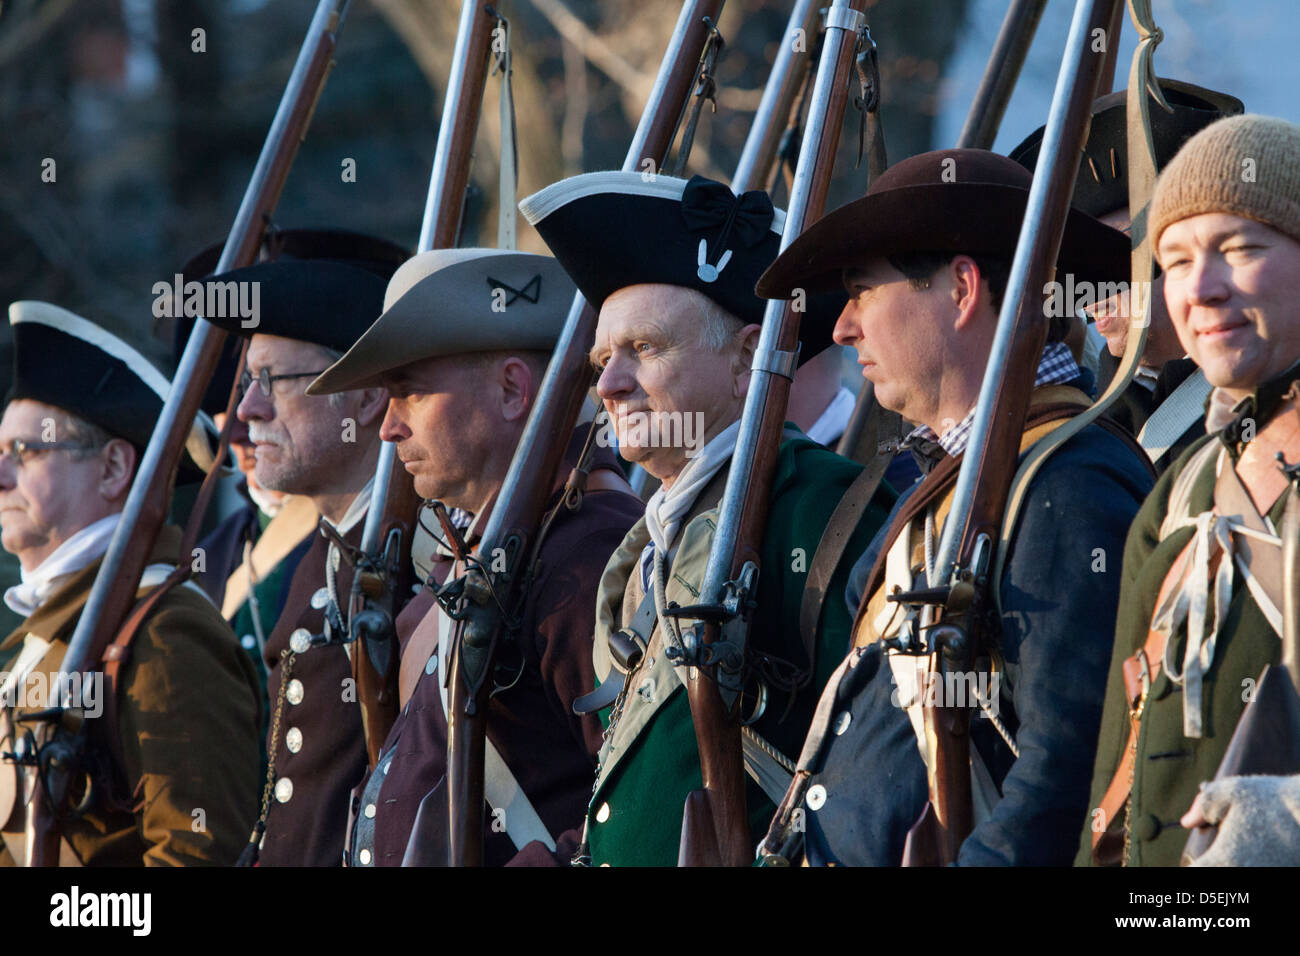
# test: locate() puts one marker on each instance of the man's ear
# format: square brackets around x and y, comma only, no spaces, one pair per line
[118,460]
[967,291]
[515,380]
[743,358]
[374,404]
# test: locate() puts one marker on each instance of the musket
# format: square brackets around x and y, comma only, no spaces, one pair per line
[512,528]
[964,584]
[384,574]
[113,592]
[715,829]
[1267,737]
[870,425]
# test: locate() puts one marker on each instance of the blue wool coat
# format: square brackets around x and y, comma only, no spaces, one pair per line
[1059,594]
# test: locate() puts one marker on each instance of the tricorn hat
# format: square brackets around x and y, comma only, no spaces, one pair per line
[950,200]
[1102,186]
[455,301]
[323,286]
[611,230]
[63,360]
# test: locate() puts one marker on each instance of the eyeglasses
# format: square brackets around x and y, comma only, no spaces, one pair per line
[20,448]
[266,380]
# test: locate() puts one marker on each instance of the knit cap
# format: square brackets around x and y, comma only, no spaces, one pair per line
[1247,165]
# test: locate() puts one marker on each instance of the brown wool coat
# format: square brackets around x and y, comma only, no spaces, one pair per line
[188,726]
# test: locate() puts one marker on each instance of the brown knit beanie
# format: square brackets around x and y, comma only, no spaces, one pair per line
[1247,165]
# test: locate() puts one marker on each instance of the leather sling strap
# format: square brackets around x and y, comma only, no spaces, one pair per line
[1140,672]
[830,550]
[118,654]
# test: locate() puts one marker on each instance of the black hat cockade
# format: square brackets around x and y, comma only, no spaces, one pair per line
[611,230]
[63,360]
[1102,184]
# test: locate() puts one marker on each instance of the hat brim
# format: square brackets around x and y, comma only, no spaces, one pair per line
[450,312]
[971,218]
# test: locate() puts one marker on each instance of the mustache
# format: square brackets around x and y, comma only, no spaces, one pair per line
[260,433]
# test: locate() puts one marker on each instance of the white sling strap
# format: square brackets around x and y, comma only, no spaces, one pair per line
[1175,415]
[500,788]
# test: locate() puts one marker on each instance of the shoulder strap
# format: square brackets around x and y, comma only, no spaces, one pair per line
[1174,415]
[118,654]
[830,550]
[1067,419]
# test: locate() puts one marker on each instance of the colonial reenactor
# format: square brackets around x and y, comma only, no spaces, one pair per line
[1165,378]
[925,259]
[1200,613]
[324,449]
[671,266]
[461,348]
[173,754]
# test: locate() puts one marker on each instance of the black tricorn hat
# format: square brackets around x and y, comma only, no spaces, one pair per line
[283,300]
[610,230]
[63,360]
[323,286]
[948,200]
[1102,186]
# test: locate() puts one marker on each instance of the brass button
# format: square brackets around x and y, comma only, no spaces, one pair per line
[370,811]
[603,813]
[293,740]
[284,789]
[842,723]
[364,857]
[320,598]
[431,664]
[293,693]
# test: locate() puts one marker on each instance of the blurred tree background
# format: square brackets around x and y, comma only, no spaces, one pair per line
[132,126]
[149,142]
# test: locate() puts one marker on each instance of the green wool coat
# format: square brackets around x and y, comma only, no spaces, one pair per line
[650,762]
[1170,767]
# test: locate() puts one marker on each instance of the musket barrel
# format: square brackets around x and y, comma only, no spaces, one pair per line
[460,113]
[1036,249]
[807,199]
[560,396]
[764,138]
[144,511]
[999,80]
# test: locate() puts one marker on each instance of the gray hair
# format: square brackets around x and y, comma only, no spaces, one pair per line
[718,325]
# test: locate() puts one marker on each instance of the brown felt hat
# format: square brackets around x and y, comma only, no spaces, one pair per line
[453,302]
[950,200]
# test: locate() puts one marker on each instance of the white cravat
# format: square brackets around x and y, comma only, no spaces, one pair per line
[80,551]
[668,506]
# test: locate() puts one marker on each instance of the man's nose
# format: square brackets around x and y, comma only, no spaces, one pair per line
[848,326]
[618,377]
[8,473]
[1208,282]
[254,406]
[394,426]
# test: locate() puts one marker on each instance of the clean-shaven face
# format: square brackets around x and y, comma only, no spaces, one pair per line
[55,492]
[1233,290]
[653,363]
